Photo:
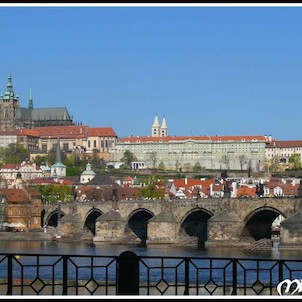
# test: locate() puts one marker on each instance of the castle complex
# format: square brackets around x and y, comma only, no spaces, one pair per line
[12,116]
[38,129]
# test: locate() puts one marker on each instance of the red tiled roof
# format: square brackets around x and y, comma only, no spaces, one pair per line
[149,139]
[14,195]
[10,166]
[284,144]
[27,132]
[8,132]
[106,131]
[61,131]
[38,181]
[246,191]
[72,131]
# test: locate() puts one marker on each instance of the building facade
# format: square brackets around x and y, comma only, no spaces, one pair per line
[184,152]
[26,170]
[22,206]
[76,138]
[282,150]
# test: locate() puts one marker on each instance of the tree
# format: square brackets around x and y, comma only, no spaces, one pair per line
[127,159]
[39,160]
[273,165]
[55,193]
[226,161]
[15,153]
[197,167]
[161,166]
[153,159]
[294,162]
[242,161]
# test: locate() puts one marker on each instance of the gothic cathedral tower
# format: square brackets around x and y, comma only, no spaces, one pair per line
[9,106]
[157,130]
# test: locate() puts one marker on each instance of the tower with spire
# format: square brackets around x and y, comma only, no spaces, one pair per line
[9,106]
[159,130]
[58,169]
[12,116]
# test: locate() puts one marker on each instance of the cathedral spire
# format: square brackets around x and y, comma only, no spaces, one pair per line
[30,103]
[9,93]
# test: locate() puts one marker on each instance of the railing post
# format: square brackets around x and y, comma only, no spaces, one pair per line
[65,275]
[280,267]
[187,279]
[128,274]
[9,274]
[234,291]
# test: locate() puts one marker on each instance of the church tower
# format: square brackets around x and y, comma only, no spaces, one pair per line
[9,106]
[156,127]
[164,128]
[159,130]
[58,169]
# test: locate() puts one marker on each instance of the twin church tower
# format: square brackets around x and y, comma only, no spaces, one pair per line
[159,130]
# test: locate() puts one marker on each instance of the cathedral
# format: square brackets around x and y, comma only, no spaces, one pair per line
[12,116]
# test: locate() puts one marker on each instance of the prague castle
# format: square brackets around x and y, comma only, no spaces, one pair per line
[12,116]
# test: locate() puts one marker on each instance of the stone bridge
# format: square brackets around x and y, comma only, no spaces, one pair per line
[209,221]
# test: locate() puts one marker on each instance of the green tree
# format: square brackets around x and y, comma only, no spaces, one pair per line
[294,162]
[15,153]
[197,167]
[39,160]
[55,193]
[2,154]
[161,166]
[127,159]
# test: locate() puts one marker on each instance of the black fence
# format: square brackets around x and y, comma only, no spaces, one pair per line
[130,274]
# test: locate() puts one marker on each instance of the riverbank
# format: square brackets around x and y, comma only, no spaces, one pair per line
[25,236]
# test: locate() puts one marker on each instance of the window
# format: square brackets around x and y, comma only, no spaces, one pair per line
[65,146]
[44,147]
[94,143]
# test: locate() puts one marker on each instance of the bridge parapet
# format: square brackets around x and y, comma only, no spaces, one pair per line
[184,212]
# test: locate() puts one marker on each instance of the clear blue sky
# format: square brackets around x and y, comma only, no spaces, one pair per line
[208,70]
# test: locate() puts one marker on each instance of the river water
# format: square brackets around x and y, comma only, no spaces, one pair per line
[100,249]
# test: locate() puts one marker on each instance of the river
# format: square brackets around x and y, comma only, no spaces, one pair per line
[100,249]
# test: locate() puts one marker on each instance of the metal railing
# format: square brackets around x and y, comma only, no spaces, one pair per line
[130,274]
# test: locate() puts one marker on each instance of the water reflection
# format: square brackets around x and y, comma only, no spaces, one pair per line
[90,248]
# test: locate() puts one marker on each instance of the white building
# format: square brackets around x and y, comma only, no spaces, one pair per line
[282,150]
[87,175]
[183,152]
[28,171]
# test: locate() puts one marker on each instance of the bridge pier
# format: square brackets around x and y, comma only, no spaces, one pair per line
[109,227]
[291,233]
[224,230]
[162,229]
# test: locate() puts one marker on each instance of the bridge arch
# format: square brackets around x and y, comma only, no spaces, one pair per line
[53,217]
[258,224]
[89,221]
[138,222]
[194,223]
